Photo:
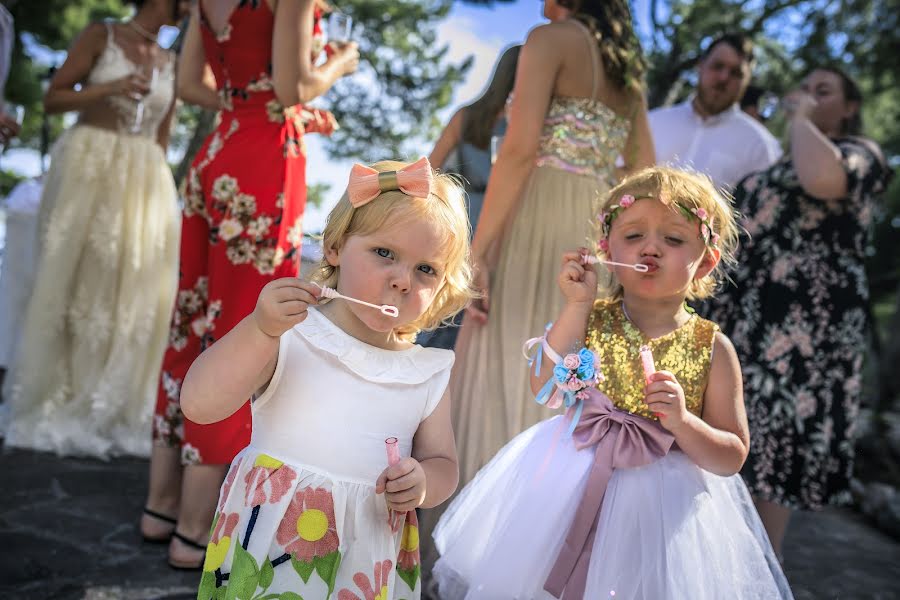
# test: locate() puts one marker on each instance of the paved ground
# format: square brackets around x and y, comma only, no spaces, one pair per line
[68,531]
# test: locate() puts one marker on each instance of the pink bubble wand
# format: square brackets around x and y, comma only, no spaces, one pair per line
[392,447]
[593,260]
[385,309]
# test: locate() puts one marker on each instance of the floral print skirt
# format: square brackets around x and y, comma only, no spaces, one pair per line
[287,531]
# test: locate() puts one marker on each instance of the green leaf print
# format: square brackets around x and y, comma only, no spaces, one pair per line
[327,568]
[304,569]
[410,576]
[207,586]
[267,574]
[290,596]
[244,577]
[221,593]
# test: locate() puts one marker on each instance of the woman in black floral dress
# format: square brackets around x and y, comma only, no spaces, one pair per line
[797,311]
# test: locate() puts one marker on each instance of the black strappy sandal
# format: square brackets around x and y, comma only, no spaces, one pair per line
[160,517]
[188,566]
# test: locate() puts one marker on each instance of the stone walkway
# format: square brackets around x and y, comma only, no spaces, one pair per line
[68,531]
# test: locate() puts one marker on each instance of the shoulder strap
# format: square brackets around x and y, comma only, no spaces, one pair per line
[592,48]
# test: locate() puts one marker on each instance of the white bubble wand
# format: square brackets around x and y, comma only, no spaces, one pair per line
[385,309]
[590,259]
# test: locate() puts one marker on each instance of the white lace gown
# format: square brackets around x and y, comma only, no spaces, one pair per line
[298,516]
[84,381]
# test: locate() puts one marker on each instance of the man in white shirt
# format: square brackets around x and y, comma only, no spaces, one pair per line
[709,132]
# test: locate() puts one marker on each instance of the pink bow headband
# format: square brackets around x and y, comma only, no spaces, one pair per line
[366,183]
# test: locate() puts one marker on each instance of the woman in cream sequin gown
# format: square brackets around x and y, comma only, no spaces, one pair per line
[85,378]
[572,116]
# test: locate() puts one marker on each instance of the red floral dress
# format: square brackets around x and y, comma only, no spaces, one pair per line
[241,225]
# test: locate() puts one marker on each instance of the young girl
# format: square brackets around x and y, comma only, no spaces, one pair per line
[304,510]
[633,493]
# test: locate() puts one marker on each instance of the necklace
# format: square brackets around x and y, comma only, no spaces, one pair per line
[143,32]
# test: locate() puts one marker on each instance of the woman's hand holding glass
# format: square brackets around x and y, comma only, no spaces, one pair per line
[345,55]
[133,86]
[798,103]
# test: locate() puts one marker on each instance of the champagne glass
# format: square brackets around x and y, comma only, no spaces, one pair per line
[496,142]
[17,112]
[340,26]
[151,73]
[768,105]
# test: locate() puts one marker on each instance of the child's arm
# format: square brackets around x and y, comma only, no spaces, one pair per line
[578,283]
[718,442]
[431,475]
[226,374]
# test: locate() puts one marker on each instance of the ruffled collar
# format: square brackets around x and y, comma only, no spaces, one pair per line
[411,366]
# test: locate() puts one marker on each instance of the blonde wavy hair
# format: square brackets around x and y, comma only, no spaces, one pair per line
[675,187]
[445,206]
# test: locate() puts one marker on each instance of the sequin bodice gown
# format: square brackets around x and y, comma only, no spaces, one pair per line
[575,164]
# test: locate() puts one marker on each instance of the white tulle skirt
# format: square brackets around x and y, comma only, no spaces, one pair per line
[669,530]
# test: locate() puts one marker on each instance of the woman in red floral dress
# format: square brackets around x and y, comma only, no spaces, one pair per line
[241,227]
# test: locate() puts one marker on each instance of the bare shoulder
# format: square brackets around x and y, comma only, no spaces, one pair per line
[724,356]
[551,34]
[92,38]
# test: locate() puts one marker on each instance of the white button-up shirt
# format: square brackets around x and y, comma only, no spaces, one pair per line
[727,146]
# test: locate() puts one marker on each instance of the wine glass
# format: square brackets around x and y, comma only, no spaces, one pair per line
[17,112]
[768,105]
[151,73]
[496,142]
[340,27]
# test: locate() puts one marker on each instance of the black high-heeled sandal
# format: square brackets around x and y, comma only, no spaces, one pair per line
[187,566]
[160,517]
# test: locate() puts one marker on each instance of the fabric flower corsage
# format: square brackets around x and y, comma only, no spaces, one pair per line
[572,376]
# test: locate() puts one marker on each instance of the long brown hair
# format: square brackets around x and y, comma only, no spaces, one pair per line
[611,25]
[479,117]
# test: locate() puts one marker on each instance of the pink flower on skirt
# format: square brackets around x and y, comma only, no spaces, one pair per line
[376,591]
[308,528]
[268,481]
[229,481]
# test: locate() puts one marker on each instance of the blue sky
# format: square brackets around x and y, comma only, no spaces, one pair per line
[481,32]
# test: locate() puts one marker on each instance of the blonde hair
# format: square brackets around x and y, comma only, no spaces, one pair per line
[444,206]
[691,190]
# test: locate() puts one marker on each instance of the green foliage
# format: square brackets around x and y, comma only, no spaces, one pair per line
[402,83]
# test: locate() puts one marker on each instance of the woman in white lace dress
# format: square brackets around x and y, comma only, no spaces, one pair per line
[85,378]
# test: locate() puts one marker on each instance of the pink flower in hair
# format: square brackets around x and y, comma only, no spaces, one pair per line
[704,231]
[626,200]
[715,239]
[701,213]
[603,245]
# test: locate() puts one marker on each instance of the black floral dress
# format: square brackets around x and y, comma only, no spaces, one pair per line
[797,315]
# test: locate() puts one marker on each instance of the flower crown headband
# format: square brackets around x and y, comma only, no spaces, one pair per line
[707,234]
[366,183]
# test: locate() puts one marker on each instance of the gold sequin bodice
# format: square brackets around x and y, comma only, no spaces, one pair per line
[582,136]
[685,352]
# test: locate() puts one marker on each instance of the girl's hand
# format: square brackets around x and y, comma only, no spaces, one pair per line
[133,86]
[665,397]
[577,281]
[403,485]
[282,304]
[481,281]
[346,56]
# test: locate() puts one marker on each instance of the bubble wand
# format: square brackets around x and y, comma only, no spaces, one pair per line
[588,259]
[393,453]
[385,309]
